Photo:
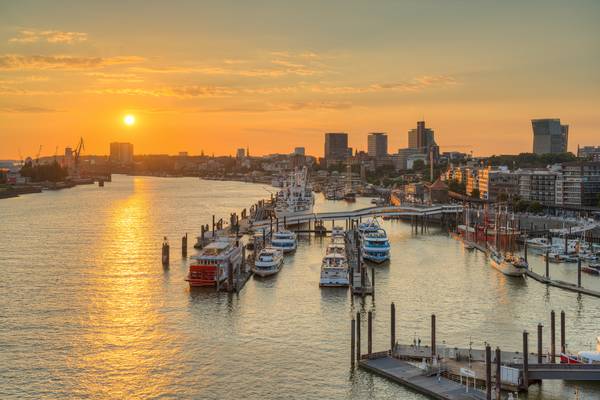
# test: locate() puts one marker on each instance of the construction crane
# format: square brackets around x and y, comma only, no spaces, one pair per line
[37,157]
[77,152]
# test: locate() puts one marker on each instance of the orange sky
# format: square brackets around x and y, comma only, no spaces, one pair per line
[212,76]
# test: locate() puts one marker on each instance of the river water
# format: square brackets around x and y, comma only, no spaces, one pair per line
[88,312]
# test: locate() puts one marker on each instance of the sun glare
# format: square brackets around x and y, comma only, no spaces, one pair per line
[129,120]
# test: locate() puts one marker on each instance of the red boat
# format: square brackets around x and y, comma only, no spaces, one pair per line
[211,266]
[583,357]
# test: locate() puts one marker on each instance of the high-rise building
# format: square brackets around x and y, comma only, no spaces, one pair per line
[549,136]
[377,145]
[336,148]
[421,138]
[121,153]
[240,153]
[299,151]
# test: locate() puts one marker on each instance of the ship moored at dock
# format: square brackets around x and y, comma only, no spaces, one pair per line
[211,267]
[268,262]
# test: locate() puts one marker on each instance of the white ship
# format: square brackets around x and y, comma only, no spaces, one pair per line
[296,198]
[509,265]
[268,262]
[375,245]
[211,266]
[334,268]
[285,241]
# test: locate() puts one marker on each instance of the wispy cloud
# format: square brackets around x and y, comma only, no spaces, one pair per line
[177,91]
[414,85]
[20,109]
[110,77]
[49,36]
[24,62]
[278,107]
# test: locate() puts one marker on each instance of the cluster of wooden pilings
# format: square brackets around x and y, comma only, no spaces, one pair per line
[356,354]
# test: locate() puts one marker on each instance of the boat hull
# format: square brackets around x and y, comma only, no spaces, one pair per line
[507,268]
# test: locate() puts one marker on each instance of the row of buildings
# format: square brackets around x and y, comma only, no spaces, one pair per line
[421,146]
[572,184]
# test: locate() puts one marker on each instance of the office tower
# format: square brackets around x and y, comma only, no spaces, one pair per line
[121,152]
[336,148]
[377,145]
[421,138]
[240,153]
[549,136]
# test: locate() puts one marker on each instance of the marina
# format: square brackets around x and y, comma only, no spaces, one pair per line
[201,323]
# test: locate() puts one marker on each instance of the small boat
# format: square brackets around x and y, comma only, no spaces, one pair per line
[268,262]
[583,357]
[350,197]
[539,245]
[509,265]
[211,266]
[285,241]
[591,271]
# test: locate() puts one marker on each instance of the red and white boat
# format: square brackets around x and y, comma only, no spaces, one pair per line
[583,357]
[211,266]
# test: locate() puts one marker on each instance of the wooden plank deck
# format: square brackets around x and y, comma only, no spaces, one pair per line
[414,378]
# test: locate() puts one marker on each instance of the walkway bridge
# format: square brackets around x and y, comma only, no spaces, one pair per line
[567,372]
[388,211]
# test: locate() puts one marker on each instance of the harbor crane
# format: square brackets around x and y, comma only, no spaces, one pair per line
[37,157]
[77,153]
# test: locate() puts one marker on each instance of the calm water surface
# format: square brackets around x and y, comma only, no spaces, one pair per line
[87,310]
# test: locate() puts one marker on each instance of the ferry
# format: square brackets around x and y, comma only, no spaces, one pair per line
[268,262]
[285,241]
[509,265]
[583,357]
[334,269]
[375,246]
[296,198]
[210,267]
[338,231]
[371,225]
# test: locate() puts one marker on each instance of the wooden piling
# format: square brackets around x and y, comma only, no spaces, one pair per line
[488,372]
[498,372]
[358,349]
[563,348]
[165,252]
[392,327]
[213,226]
[547,264]
[184,246]
[525,250]
[539,342]
[525,360]
[370,333]
[433,335]
[552,337]
[372,281]
[578,272]
[352,343]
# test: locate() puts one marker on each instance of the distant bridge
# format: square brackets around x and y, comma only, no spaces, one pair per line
[388,211]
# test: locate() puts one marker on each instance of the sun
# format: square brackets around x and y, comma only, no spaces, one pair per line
[129,120]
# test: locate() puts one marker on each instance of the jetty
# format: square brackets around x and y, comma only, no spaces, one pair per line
[361,282]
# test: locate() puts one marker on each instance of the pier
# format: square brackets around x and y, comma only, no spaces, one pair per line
[362,284]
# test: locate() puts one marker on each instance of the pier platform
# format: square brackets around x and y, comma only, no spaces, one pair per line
[406,374]
[562,285]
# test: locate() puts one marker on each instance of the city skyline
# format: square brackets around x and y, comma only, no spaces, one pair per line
[192,85]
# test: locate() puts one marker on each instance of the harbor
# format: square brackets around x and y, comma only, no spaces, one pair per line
[281,322]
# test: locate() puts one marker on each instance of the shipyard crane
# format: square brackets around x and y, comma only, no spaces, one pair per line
[37,157]
[77,152]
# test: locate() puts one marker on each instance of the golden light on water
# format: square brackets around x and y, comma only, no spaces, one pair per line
[129,120]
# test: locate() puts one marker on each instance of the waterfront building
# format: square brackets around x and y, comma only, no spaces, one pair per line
[493,181]
[549,136]
[400,160]
[472,180]
[121,153]
[538,185]
[437,192]
[336,148]
[579,184]
[240,153]
[377,145]
[299,151]
[589,152]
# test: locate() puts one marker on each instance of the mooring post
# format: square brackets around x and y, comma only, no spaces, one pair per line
[184,245]
[264,238]
[539,342]
[370,333]
[488,372]
[498,373]
[432,336]
[373,281]
[525,249]
[392,327]
[358,336]
[578,271]
[352,338]
[563,347]
[547,264]
[284,222]
[165,252]
[525,360]
[213,226]
[552,337]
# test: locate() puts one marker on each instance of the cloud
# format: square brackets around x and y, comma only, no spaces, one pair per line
[49,36]
[414,85]
[106,77]
[278,107]
[26,79]
[177,91]
[21,62]
[19,109]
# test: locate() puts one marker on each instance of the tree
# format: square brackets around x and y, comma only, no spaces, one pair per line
[457,187]
[475,193]
[418,165]
[502,197]
[535,207]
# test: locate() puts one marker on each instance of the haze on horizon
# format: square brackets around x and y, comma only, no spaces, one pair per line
[272,75]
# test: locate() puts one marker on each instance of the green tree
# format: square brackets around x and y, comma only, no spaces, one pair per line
[535,207]
[418,165]
[475,193]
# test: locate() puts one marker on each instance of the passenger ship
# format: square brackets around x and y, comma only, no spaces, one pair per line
[334,268]
[211,266]
[375,245]
[296,198]
[509,265]
[268,262]
[285,241]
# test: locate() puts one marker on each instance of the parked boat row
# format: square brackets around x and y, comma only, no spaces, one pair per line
[335,271]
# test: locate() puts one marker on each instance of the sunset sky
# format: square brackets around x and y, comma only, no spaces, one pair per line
[273,75]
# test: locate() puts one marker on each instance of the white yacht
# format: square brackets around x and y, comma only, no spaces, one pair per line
[375,246]
[338,231]
[285,241]
[371,225]
[509,265]
[296,198]
[540,244]
[268,262]
[334,270]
